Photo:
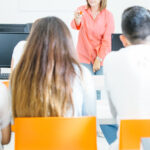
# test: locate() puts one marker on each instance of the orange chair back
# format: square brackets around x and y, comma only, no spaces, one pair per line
[55,133]
[131,132]
[6,83]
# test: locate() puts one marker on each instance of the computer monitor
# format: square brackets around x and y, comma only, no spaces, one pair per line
[116,43]
[7,43]
[15,28]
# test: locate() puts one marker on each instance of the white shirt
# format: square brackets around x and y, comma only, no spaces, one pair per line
[127,78]
[17,53]
[84,95]
[5,109]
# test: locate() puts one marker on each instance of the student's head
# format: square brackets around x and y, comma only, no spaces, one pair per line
[135,26]
[101,3]
[41,82]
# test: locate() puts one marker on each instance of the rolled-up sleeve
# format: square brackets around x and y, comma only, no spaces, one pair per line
[74,26]
[73,23]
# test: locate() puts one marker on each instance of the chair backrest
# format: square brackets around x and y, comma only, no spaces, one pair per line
[55,133]
[131,132]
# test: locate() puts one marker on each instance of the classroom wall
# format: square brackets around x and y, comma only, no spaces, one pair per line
[25,11]
[117,7]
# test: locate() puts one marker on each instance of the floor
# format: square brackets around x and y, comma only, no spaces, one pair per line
[101,144]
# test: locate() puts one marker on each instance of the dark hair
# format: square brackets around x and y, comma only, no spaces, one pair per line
[42,81]
[103,4]
[136,24]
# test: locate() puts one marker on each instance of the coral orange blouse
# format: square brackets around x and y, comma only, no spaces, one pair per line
[94,37]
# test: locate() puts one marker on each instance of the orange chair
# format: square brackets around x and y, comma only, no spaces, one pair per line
[55,133]
[131,132]
[6,83]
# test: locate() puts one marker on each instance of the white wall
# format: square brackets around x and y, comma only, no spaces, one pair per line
[25,11]
[117,7]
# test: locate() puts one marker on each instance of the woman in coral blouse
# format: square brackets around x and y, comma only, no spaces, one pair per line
[95,24]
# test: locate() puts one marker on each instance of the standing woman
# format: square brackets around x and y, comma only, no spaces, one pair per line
[48,80]
[95,24]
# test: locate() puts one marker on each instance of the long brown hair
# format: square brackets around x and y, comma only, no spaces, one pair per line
[41,83]
[103,4]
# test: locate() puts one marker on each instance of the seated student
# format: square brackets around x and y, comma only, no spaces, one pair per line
[127,72]
[4,116]
[48,80]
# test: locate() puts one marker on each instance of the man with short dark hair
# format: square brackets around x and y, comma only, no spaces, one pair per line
[136,26]
[127,72]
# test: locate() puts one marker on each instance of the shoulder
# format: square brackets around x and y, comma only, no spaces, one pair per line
[19,47]
[108,15]
[115,57]
[141,51]
[107,11]
[20,44]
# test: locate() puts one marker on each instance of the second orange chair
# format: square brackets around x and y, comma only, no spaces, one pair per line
[131,132]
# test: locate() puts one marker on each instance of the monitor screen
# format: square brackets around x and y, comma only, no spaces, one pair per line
[116,43]
[16,28]
[7,43]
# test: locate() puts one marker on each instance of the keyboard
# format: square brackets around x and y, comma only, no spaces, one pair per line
[4,76]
